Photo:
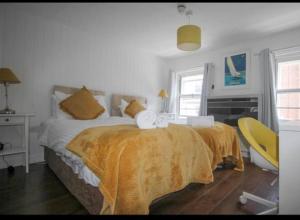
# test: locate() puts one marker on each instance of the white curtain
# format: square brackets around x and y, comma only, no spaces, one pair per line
[172,92]
[206,88]
[267,71]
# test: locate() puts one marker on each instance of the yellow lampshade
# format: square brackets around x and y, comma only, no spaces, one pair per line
[163,93]
[188,37]
[7,76]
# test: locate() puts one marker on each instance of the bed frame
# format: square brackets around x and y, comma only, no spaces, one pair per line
[88,195]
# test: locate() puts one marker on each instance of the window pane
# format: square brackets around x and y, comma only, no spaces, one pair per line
[289,114]
[189,106]
[191,84]
[289,75]
[291,99]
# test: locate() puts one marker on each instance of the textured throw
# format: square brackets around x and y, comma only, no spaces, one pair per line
[138,166]
[224,142]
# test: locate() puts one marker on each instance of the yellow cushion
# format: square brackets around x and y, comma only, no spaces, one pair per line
[82,105]
[133,108]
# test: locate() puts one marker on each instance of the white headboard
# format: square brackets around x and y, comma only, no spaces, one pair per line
[71,90]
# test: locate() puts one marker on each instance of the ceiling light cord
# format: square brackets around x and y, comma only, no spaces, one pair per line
[188,15]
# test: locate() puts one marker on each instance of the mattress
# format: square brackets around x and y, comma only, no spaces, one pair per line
[56,133]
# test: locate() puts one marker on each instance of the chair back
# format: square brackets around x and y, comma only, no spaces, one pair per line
[261,138]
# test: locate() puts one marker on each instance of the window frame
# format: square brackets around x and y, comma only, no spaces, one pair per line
[283,59]
[179,75]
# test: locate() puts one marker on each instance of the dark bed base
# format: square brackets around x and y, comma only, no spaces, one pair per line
[88,195]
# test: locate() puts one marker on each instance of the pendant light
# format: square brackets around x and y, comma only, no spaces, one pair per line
[188,36]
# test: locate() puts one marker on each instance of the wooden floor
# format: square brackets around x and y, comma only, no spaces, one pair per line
[40,192]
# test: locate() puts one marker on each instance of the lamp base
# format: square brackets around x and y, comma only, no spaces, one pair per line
[7,111]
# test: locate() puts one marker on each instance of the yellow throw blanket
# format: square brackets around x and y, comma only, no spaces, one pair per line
[138,166]
[224,142]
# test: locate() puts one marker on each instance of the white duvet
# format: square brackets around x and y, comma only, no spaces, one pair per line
[56,133]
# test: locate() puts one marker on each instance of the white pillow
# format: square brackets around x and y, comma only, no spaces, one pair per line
[57,112]
[122,107]
[57,97]
[102,102]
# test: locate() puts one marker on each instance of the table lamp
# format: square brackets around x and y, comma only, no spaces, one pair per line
[7,77]
[163,94]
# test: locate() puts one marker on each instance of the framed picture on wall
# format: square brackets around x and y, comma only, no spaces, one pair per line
[236,70]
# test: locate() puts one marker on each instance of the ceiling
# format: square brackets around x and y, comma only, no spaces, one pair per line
[152,26]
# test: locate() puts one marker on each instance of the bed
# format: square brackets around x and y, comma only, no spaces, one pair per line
[70,169]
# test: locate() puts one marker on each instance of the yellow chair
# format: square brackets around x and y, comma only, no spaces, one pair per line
[265,142]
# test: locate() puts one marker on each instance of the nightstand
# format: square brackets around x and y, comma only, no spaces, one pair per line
[20,120]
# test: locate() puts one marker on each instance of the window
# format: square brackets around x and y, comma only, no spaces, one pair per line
[288,90]
[189,92]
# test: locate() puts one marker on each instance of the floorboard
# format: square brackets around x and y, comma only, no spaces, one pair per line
[41,192]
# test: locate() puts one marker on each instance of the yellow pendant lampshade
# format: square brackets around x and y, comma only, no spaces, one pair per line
[188,37]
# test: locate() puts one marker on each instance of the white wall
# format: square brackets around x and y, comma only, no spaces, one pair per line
[44,53]
[287,39]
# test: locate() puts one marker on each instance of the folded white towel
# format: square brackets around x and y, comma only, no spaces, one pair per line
[162,121]
[201,121]
[146,119]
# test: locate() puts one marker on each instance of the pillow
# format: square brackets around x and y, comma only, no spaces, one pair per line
[133,108]
[57,97]
[82,105]
[122,107]
[102,102]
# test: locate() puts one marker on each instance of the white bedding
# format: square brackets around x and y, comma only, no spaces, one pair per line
[56,133]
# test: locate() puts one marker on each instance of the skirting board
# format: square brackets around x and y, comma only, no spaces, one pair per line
[19,160]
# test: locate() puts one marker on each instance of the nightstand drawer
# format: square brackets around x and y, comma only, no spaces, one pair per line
[8,120]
